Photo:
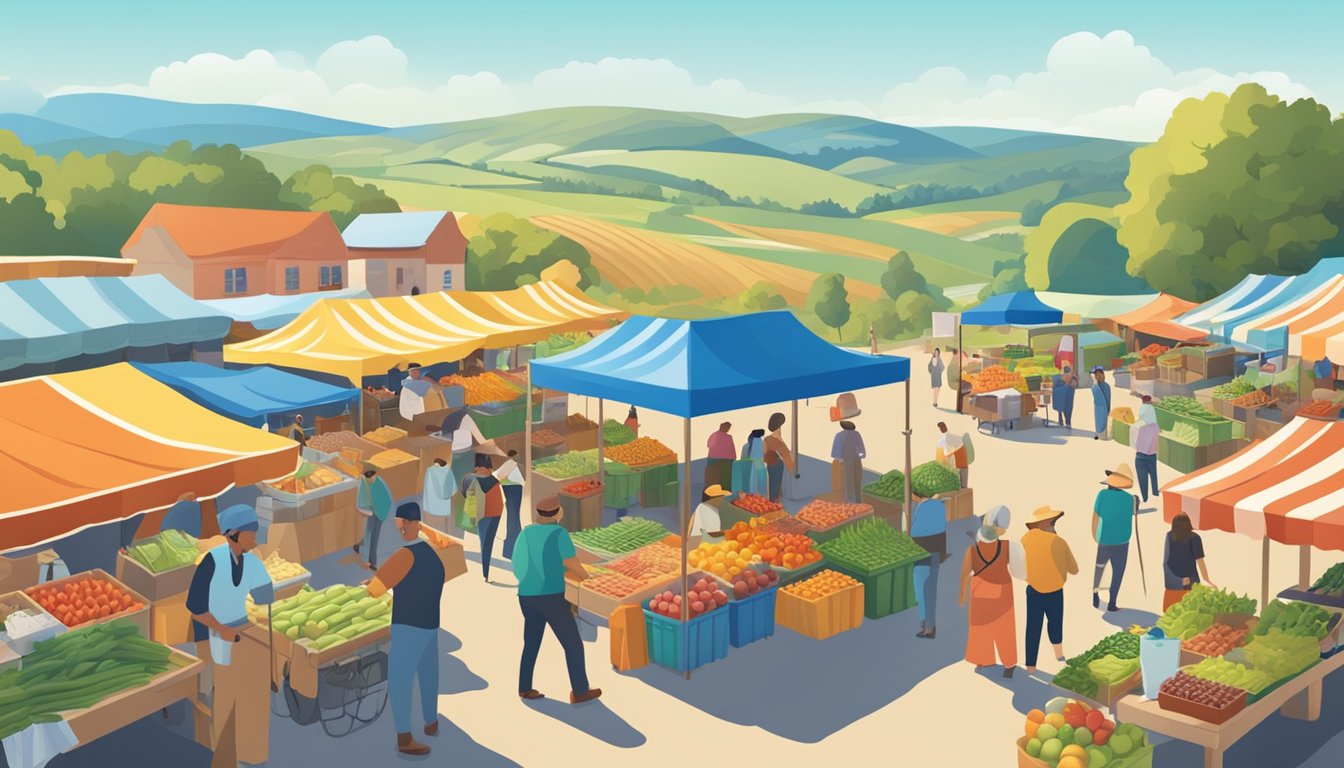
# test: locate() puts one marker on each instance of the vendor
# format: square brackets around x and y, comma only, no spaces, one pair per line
[722,452]
[510,476]
[296,432]
[705,522]
[1101,401]
[951,450]
[411,402]
[217,600]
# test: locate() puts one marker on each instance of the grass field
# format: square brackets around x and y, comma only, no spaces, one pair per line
[957,224]
[450,175]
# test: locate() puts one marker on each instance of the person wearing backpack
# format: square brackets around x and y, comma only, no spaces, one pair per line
[484,505]
[955,451]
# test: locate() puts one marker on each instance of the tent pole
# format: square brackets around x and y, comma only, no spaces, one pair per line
[1264,573]
[527,447]
[1304,567]
[797,465]
[909,495]
[601,443]
[685,534]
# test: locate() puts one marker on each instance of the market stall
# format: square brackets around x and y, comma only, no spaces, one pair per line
[1160,311]
[260,396]
[1019,371]
[697,368]
[256,315]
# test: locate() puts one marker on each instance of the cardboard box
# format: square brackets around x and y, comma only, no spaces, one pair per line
[155,586]
[170,621]
[18,573]
[307,540]
[404,480]
[139,617]
[581,440]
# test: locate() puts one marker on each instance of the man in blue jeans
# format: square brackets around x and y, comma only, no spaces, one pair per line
[929,530]
[1112,525]
[374,500]
[1145,433]
[542,557]
[416,573]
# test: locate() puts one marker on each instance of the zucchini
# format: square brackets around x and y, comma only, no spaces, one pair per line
[324,612]
[326,641]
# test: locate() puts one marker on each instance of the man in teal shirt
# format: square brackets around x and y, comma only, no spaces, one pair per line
[1112,526]
[542,556]
[374,501]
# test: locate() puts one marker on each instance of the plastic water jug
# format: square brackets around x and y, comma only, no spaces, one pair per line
[1159,659]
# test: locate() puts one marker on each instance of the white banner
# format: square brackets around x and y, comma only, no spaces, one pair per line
[944,325]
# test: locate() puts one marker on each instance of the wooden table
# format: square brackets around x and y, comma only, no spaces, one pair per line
[121,709]
[1299,698]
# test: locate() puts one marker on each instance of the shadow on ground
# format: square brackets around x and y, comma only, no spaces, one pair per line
[594,719]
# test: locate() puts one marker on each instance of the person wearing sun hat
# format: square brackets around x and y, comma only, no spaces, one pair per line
[1112,527]
[1049,564]
[706,521]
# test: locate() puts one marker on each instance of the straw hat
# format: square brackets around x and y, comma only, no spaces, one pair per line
[1121,477]
[717,491]
[1045,514]
[846,407]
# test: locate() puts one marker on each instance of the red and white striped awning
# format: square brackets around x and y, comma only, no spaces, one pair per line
[1288,487]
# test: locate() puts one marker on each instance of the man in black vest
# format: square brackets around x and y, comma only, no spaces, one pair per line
[415,575]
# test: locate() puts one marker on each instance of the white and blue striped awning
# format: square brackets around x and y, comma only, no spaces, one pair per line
[697,367]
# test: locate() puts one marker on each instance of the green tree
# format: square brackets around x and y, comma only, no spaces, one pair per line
[829,300]
[901,276]
[1007,280]
[1075,250]
[508,249]
[1237,184]
[762,297]
[27,228]
[914,310]
[318,189]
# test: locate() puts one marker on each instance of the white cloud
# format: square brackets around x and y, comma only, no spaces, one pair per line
[1104,86]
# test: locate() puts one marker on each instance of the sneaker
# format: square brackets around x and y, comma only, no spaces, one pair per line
[588,695]
[1096,600]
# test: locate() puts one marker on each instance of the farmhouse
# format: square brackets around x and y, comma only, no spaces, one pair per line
[214,253]
[394,254]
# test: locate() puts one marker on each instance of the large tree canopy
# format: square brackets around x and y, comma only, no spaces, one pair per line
[1074,250]
[1237,184]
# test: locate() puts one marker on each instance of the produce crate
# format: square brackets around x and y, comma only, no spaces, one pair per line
[752,618]
[707,638]
[960,504]
[658,486]
[823,618]
[16,601]
[891,510]
[403,480]
[544,487]
[887,590]
[155,586]
[604,605]
[1139,758]
[497,422]
[1186,458]
[582,440]
[139,617]
[1209,431]
[622,487]
[826,534]
[1315,598]
[581,511]
[1199,711]
[790,575]
[1120,431]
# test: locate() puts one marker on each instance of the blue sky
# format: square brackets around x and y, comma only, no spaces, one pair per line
[841,56]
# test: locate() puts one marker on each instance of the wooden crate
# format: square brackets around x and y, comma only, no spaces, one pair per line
[404,480]
[140,617]
[180,681]
[155,586]
[820,619]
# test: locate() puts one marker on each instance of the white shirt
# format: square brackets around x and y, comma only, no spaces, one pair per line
[950,442]
[466,434]
[706,520]
[439,487]
[509,473]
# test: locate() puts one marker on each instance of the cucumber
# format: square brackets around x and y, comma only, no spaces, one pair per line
[298,618]
[375,611]
[293,632]
[324,612]
[326,641]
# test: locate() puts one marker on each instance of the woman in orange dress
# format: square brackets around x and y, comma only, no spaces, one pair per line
[987,574]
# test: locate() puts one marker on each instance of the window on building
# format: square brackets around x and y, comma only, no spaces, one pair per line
[291,278]
[401,277]
[235,280]
[447,280]
[337,280]
[330,277]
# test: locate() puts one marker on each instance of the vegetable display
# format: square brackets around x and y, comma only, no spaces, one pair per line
[282,570]
[1319,409]
[725,559]
[704,597]
[889,486]
[820,513]
[1077,674]
[648,564]
[756,505]
[582,488]
[1195,612]
[1302,619]
[1279,654]
[1331,583]
[932,478]
[567,465]
[1111,669]
[870,545]
[165,551]
[615,433]
[1153,351]
[1256,399]
[1220,670]
[545,438]
[320,619]
[1016,352]
[1234,389]
[577,422]
[1183,433]
[1216,640]
[83,599]
[77,670]
[1189,407]
[1200,691]
[625,535]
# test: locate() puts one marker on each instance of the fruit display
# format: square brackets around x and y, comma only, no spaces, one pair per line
[319,619]
[1303,619]
[545,438]
[381,394]
[1234,389]
[1112,669]
[615,433]
[1279,654]
[307,478]
[83,599]
[622,536]
[705,596]
[384,435]
[820,513]
[932,478]
[752,580]
[1216,640]
[582,488]
[165,551]
[77,670]
[756,505]
[1195,612]
[650,563]
[641,451]
[282,570]
[782,550]
[871,545]
[483,388]
[605,581]
[823,584]
[577,422]
[1123,414]
[1220,670]
[1016,352]
[1331,583]
[889,486]
[1319,409]
[1200,691]
[1189,407]
[1183,433]
[567,465]
[1070,734]
[1153,351]
[333,442]
[1256,399]
[725,559]
[995,377]
[780,523]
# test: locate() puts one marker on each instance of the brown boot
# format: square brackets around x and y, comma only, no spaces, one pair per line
[432,729]
[409,746]
[589,695]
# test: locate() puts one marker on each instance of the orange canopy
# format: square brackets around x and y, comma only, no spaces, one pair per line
[91,447]
[1160,309]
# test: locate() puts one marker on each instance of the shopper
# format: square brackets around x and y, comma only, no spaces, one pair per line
[1049,564]
[416,574]
[1101,401]
[510,476]
[872,339]
[1182,561]
[753,451]
[1144,434]
[848,450]
[485,503]
[544,555]
[414,390]
[705,522]
[374,501]
[722,451]
[296,432]
[459,428]
[987,574]
[936,371]
[778,457]
[184,516]
[440,487]
[951,450]
[632,419]
[928,527]
[1112,526]
[217,601]
[1062,388]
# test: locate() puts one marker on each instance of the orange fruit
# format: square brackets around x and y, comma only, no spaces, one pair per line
[1036,716]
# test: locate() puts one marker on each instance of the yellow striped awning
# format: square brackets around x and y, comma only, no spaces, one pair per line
[354,338]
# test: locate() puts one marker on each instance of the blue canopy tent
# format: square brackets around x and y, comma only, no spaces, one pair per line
[267,311]
[1018,308]
[691,368]
[251,394]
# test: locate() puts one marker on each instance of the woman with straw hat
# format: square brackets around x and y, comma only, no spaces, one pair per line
[1049,564]
[1112,527]
[987,574]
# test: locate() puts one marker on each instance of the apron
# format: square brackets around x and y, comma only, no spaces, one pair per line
[991,586]
[228,602]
